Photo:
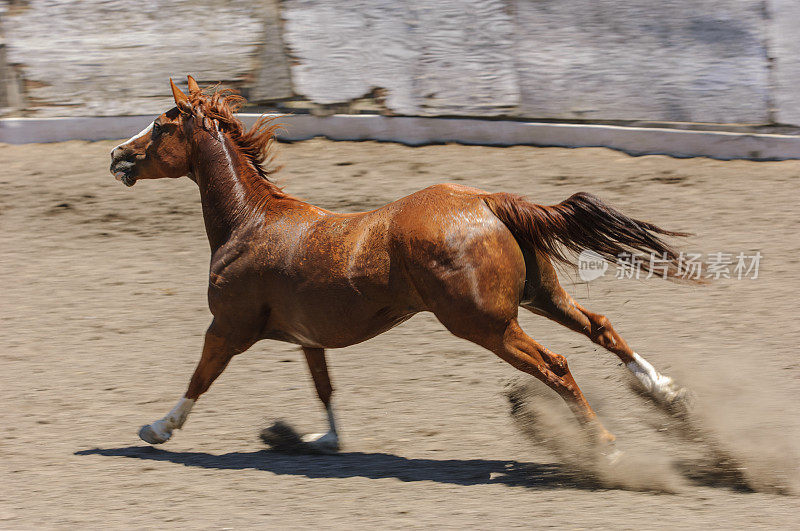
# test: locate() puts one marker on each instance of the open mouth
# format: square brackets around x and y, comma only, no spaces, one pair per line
[124,172]
[126,177]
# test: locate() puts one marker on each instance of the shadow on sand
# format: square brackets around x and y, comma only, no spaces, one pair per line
[369,465]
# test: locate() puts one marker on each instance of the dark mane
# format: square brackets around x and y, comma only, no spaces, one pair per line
[257,144]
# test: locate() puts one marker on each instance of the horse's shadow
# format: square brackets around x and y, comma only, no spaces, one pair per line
[369,465]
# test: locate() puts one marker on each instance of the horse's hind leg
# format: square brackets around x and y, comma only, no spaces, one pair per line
[549,299]
[514,346]
[218,350]
[525,354]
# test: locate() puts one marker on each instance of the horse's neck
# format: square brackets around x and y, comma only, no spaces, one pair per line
[231,191]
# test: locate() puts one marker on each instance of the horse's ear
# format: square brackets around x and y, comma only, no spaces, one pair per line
[181,100]
[194,88]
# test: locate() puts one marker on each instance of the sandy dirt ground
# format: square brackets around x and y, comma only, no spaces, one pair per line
[103,311]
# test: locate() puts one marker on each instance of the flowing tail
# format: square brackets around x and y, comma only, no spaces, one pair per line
[582,222]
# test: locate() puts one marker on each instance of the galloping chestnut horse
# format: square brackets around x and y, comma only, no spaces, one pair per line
[287,270]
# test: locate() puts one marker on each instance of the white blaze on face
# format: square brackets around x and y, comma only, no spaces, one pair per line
[134,137]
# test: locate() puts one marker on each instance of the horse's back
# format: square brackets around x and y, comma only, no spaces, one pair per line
[444,218]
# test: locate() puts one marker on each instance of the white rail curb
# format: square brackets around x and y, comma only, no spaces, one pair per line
[419,131]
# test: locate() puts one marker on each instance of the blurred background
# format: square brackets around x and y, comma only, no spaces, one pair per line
[728,64]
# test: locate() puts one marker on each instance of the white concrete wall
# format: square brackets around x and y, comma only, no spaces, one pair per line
[720,61]
[431,58]
[675,61]
[417,130]
[96,57]
[784,47]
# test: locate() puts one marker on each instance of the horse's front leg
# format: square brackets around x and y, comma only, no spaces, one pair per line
[218,349]
[325,442]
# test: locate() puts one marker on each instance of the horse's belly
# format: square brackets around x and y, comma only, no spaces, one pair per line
[335,328]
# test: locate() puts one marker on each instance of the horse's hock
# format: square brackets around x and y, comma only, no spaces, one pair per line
[722,61]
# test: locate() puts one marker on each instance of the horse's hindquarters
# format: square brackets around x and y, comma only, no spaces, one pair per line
[463,262]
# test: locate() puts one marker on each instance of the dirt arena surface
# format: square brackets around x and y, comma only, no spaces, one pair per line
[103,311]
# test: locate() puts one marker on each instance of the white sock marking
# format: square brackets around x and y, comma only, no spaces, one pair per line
[325,441]
[656,384]
[174,419]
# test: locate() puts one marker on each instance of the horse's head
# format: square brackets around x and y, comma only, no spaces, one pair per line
[162,148]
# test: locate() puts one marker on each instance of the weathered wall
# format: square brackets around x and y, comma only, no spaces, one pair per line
[690,61]
[721,61]
[784,47]
[447,57]
[96,57]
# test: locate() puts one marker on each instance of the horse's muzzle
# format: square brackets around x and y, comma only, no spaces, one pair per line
[123,171]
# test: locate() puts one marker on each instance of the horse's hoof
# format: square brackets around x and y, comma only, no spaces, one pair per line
[612,456]
[324,443]
[149,435]
[667,395]
[676,400]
